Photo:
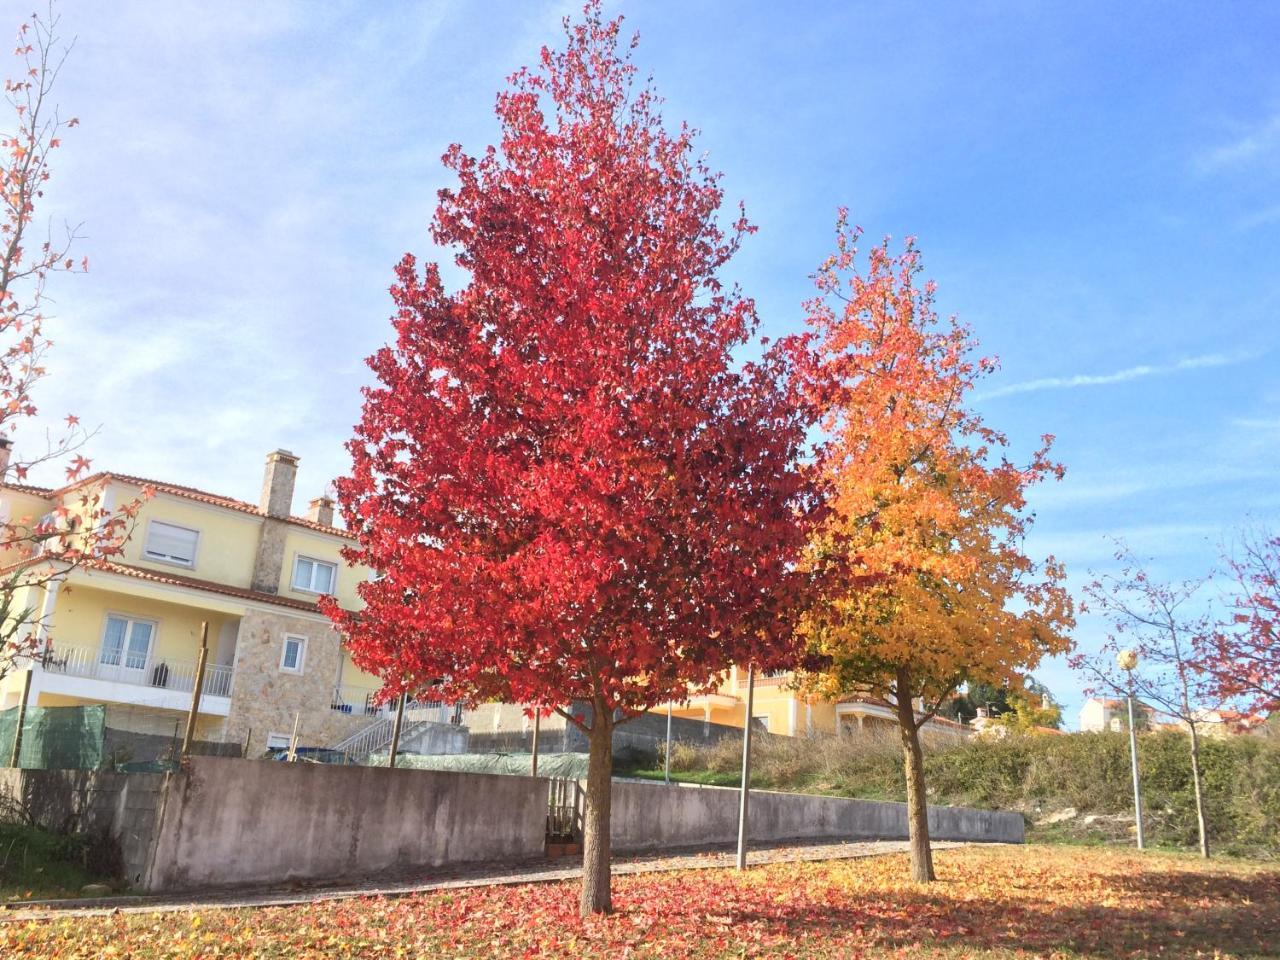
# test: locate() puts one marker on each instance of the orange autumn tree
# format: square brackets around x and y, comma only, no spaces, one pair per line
[922,579]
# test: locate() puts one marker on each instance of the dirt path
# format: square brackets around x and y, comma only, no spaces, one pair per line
[479,876]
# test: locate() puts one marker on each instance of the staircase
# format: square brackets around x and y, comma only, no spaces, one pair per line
[371,739]
[377,735]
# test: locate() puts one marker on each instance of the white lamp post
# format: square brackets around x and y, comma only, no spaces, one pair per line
[745,790]
[1128,660]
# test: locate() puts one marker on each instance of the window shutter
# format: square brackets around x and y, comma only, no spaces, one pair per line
[168,542]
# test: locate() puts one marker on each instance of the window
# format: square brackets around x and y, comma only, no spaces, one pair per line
[314,576]
[293,654]
[762,721]
[126,643]
[169,543]
[278,741]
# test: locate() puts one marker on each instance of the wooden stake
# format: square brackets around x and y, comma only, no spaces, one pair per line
[190,735]
[666,766]
[293,740]
[395,731]
[22,717]
[247,735]
[537,723]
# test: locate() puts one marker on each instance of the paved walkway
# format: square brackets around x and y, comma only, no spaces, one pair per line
[479,876]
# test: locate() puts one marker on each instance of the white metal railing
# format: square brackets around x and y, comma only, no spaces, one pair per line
[363,702]
[122,666]
[373,738]
[360,701]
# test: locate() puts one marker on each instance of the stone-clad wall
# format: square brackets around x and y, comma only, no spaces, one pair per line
[265,699]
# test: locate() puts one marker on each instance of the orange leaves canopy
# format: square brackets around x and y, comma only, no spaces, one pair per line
[920,561]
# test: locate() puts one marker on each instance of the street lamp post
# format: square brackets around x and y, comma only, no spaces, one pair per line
[1128,660]
[745,790]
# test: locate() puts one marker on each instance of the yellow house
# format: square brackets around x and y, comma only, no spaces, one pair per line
[125,631]
[780,708]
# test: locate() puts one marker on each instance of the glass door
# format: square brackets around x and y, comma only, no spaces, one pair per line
[126,649]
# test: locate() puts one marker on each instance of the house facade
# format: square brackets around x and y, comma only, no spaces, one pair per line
[780,707]
[125,631]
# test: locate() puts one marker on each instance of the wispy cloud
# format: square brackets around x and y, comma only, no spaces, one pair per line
[1118,376]
[1259,218]
[1257,142]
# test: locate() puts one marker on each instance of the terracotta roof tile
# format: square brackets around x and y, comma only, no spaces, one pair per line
[180,490]
[28,488]
[194,583]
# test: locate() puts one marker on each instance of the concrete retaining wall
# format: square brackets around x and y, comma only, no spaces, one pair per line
[647,816]
[225,822]
[436,738]
[230,822]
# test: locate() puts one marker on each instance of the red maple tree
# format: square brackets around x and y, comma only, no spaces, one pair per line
[574,497]
[1242,654]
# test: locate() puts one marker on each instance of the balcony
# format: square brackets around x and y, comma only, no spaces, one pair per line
[361,702]
[121,676]
[357,701]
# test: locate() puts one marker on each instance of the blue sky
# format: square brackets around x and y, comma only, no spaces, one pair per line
[1095,187]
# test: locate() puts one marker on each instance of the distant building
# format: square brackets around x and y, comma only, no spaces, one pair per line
[1100,714]
[1230,723]
[780,707]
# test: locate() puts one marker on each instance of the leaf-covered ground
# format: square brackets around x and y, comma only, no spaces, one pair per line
[989,902]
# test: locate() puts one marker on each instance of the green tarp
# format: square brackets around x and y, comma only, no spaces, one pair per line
[55,738]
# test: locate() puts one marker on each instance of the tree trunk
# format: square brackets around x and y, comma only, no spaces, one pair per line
[917,807]
[596,893]
[1199,788]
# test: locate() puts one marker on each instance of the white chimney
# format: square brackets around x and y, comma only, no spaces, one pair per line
[320,511]
[277,484]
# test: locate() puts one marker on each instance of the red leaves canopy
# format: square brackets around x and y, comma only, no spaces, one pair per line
[567,486]
[1243,654]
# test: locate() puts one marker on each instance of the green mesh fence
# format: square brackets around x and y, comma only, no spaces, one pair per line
[55,738]
[149,766]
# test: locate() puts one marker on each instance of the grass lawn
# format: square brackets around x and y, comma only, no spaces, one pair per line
[36,864]
[989,902]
